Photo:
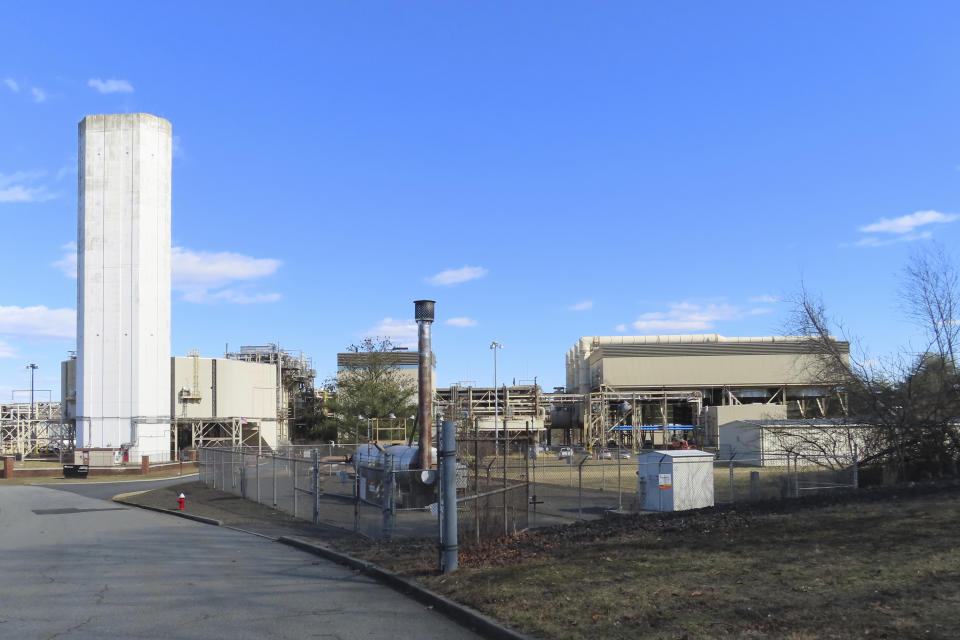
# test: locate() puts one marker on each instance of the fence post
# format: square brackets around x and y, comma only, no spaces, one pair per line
[274,458]
[856,477]
[754,480]
[316,486]
[258,478]
[619,483]
[386,499]
[579,489]
[603,474]
[356,492]
[796,475]
[294,484]
[506,445]
[732,495]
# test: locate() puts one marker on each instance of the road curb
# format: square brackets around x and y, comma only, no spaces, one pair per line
[179,514]
[461,614]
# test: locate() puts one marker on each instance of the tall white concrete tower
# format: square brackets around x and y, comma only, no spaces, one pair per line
[123,284]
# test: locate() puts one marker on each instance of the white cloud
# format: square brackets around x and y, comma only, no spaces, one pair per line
[764,299]
[402,333]
[110,86]
[208,269]
[906,224]
[20,186]
[39,95]
[686,316]
[38,322]
[6,351]
[198,275]
[621,328]
[456,276]
[873,241]
[68,261]
[582,306]
[461,322]
[234,296]
[11,84]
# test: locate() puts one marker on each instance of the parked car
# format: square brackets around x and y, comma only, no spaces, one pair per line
[565,452]
[624,454]
[605,454]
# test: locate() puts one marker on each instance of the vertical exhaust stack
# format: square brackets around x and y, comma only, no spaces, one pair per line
[423,313]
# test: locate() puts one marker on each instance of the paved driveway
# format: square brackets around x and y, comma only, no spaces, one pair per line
[78,567]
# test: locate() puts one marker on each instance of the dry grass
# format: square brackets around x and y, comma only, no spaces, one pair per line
[867,568]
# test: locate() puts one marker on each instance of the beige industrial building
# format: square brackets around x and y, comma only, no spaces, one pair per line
[251,397]
[688,381]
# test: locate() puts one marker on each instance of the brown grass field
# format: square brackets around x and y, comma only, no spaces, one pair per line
[879,563]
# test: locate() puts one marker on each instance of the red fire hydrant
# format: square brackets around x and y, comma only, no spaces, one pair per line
[182,501]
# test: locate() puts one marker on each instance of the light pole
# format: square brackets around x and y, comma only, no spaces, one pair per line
[32,368]
[496,403]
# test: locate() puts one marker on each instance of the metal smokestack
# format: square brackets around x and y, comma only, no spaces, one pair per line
[423,313]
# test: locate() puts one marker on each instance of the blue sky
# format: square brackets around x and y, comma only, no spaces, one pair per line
[544,171]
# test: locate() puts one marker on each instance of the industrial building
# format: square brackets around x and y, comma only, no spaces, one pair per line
[251,397]
[123,284]
[625,385]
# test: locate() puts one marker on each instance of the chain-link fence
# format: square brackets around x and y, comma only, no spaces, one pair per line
[568,484]
[492,487]
[330,484]
[505,487]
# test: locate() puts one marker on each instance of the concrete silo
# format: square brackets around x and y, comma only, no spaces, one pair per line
[123,284]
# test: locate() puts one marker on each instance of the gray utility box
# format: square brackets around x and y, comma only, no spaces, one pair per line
[675,480]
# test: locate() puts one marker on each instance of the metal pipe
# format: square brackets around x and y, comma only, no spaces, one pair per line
[423,313]
[448,460]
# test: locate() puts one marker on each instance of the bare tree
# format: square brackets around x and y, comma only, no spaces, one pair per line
[910,401]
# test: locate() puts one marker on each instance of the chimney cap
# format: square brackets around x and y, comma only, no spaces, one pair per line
[423,310]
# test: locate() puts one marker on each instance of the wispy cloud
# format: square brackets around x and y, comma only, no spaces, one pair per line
[39,95]
[402,333]
[687,316]
[621,328]
[12,84]
[38,322]
[903,229]
[20,186]
[203,276]
[68,261]
[907,223]
[461,322]
[581,306]
[200,275]
[6,351]
[873,241]
[764,299]
[456,276]
[233,296]
[112,85]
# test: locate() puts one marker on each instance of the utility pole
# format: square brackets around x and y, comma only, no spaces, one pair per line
[32,368]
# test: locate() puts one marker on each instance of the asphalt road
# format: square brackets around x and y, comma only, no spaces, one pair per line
[79,567]
[106,490]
